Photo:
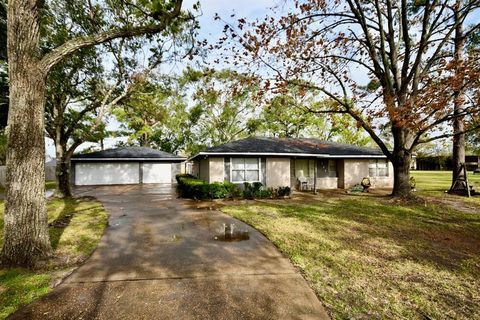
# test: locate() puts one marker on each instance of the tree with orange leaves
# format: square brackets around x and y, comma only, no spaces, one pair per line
[388,64]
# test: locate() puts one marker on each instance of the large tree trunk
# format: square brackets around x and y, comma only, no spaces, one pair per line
[401,161]
[62,172]
[26,238]
[401,174]
[62,169]
[458,152]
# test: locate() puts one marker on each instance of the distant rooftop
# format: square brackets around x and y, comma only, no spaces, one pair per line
[125,153]
[291,146]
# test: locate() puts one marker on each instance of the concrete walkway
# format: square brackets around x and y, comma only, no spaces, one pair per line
[159,260]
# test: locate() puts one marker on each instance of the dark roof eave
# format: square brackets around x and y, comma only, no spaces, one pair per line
[179,159]
[289,154]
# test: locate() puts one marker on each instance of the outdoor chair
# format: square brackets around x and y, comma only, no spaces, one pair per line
[305,183]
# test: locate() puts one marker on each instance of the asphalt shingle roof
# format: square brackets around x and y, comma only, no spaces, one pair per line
[293,146]
[128,153]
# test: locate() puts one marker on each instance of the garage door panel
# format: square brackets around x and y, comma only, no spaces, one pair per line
[157,173]
[106,173]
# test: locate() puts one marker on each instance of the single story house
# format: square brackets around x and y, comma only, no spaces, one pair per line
[125,165]
[297,163]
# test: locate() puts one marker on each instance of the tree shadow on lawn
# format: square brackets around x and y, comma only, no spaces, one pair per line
[432,234]
[419,252]
[61,221]
[428,234]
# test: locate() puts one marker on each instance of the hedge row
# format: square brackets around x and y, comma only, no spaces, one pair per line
[191,187]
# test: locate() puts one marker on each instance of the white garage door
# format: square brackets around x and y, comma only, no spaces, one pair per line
[157,173]
[106,173]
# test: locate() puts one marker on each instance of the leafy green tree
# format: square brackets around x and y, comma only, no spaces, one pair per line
[473,138]
[286,117]
[344,129]
[82,90]
[225,104]
[68,110]
[156,116]
[295,114]
[26,239]
[79,96]
[71,113]
[159,114]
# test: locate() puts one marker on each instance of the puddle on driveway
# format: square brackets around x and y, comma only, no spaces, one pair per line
[116,221]
[229,233]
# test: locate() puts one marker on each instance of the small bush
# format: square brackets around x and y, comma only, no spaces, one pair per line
[284,191]
[248,191]
[191,187]
[217,190]
[257,191]
[252,191]
[267,193]
[233,190]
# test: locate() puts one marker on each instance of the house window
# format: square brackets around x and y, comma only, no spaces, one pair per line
[378,168]
[332,168]
[304,168]
[245,170]
[326,168]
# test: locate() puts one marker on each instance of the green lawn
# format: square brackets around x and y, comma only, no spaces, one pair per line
[440,181]
[50,184]
[77,226]
[370,257]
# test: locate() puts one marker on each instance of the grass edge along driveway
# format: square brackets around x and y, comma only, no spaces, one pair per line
[75,227]
[369,257]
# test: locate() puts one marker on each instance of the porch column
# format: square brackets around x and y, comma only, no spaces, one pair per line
[315,176]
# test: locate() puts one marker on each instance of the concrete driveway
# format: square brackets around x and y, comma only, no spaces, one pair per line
[159,259]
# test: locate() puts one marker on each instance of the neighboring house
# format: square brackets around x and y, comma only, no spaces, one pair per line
[445,162]
[433,163]
[50,164]
[294,163]
[472,162]
[126,165]
[50,167]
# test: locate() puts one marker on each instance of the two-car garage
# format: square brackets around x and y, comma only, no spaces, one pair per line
[126,165]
